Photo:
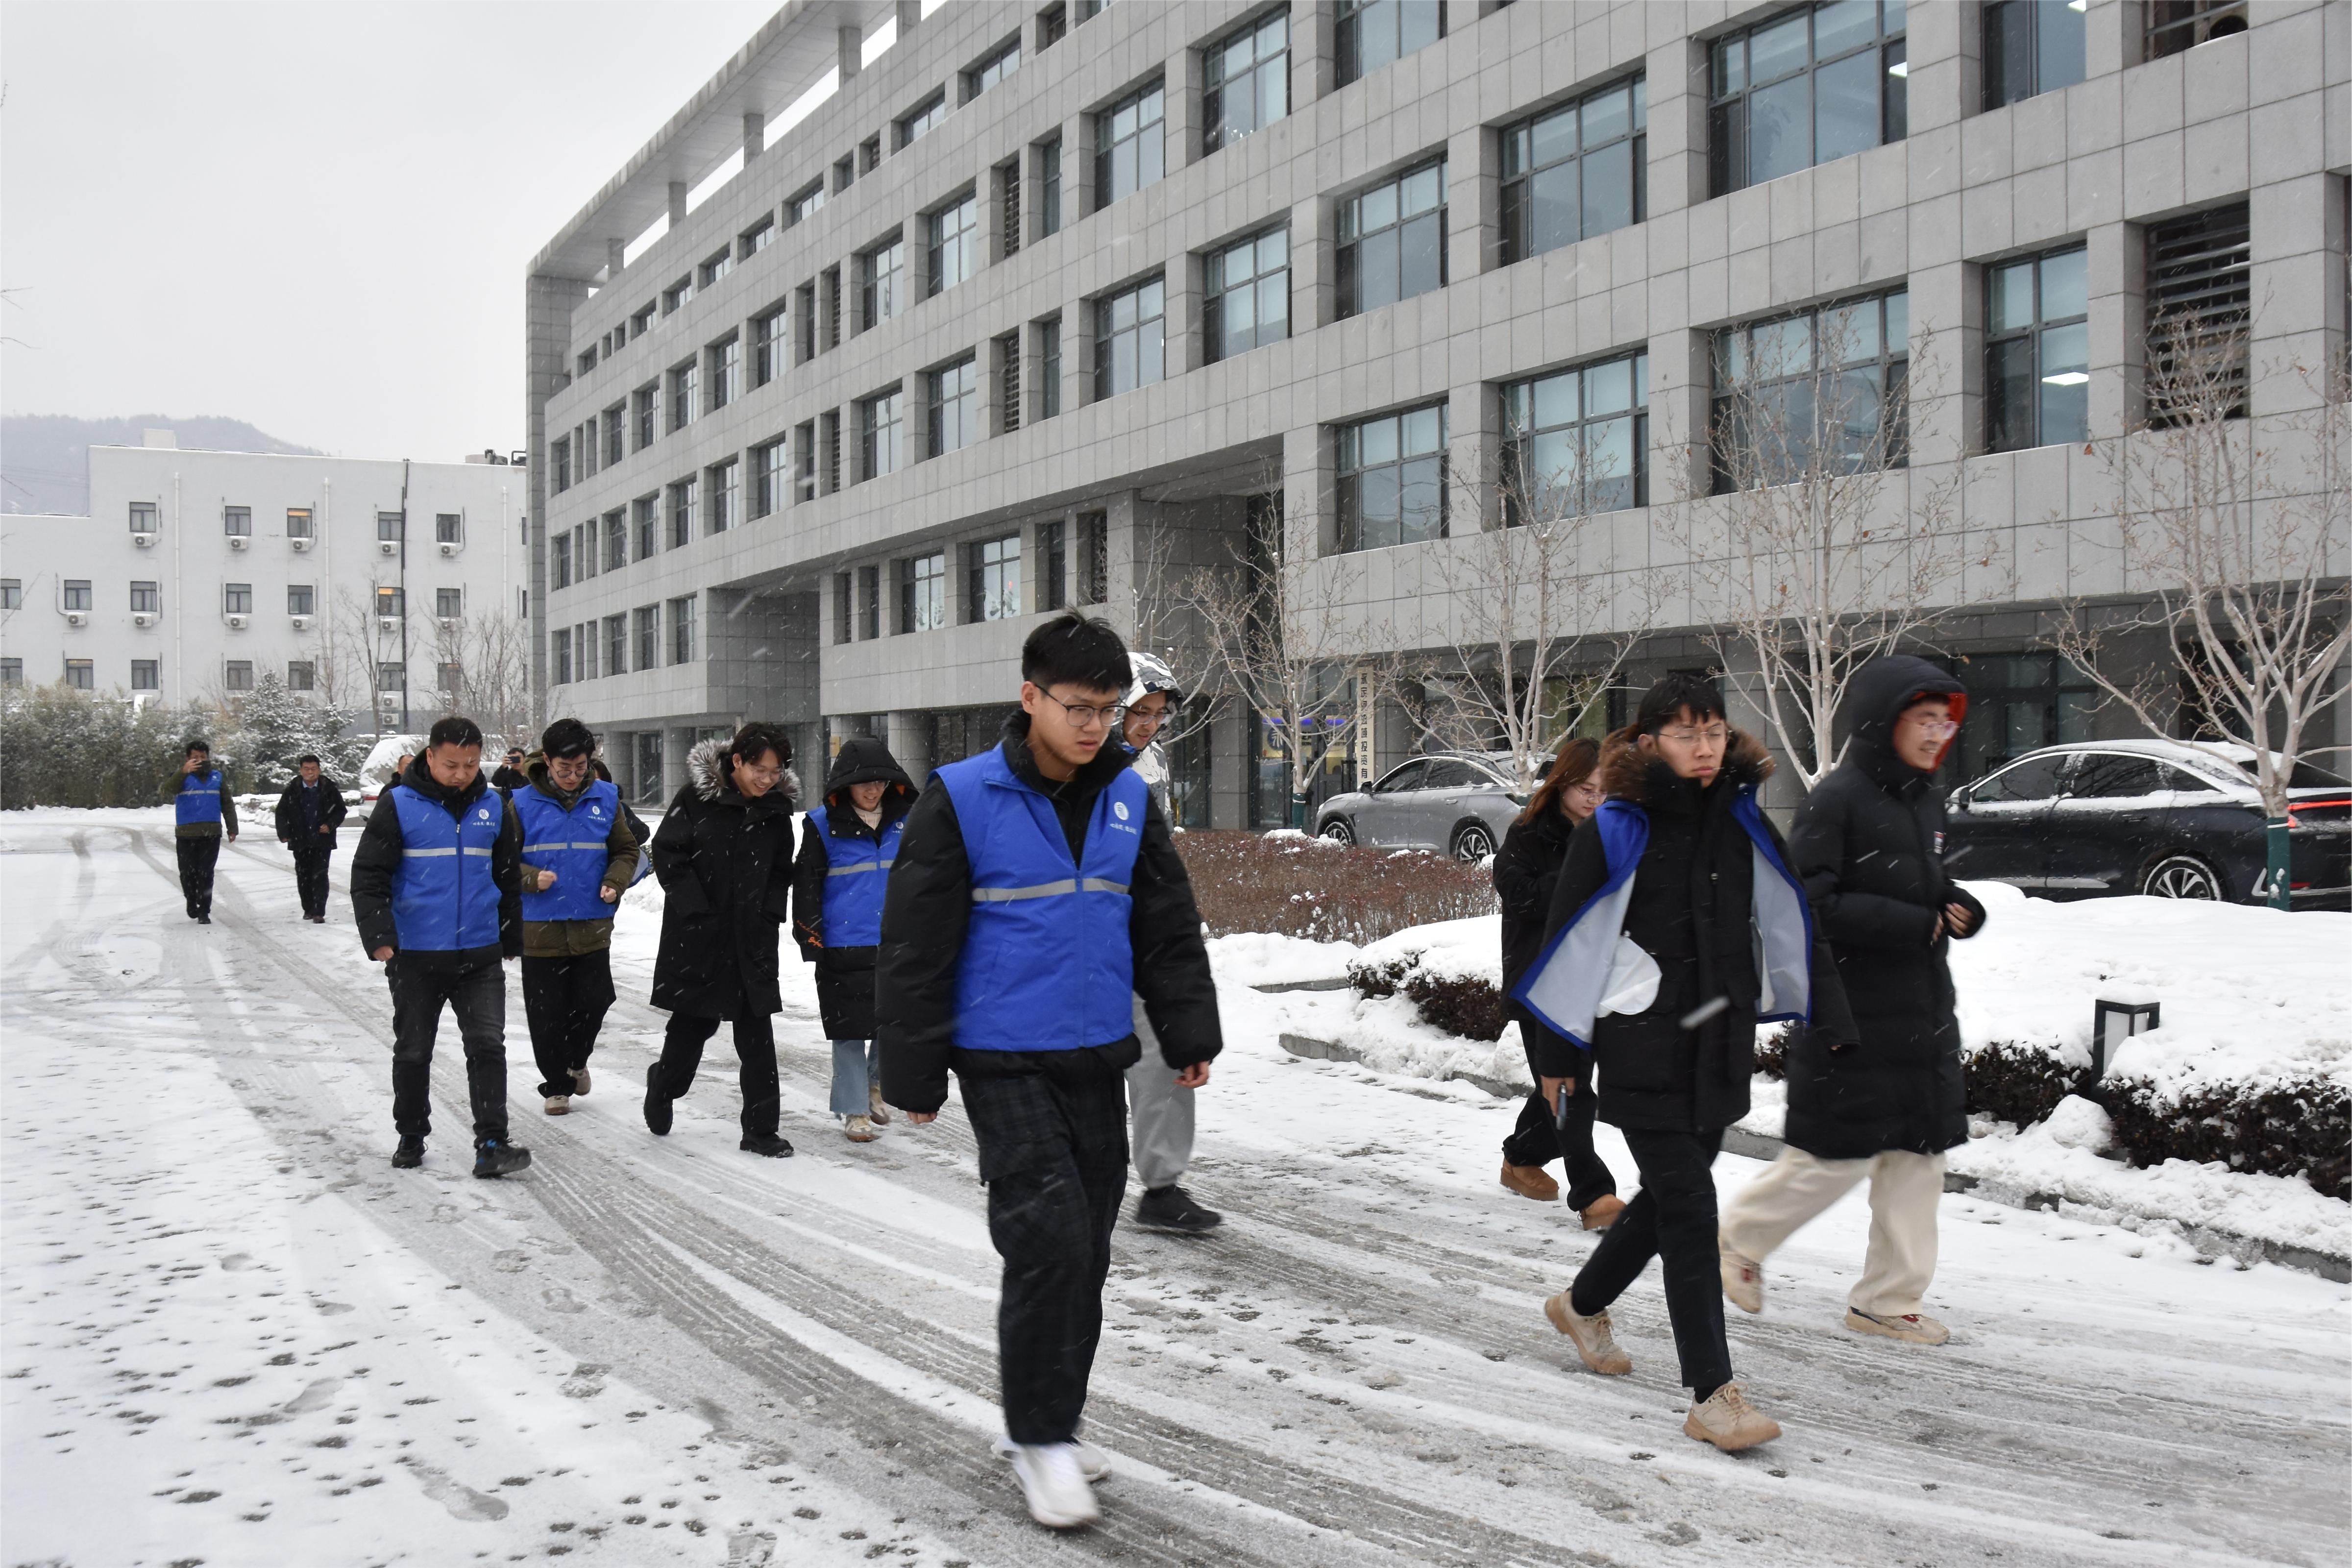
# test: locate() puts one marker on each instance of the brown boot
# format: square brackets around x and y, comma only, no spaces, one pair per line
[1593,1342]
[1530,1181]
[1602,1211]
[1729,1422]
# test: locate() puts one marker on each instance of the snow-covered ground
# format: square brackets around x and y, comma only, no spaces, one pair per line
[233,1336]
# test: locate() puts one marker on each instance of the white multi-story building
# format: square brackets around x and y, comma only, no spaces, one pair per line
[1044,287]
[197,572]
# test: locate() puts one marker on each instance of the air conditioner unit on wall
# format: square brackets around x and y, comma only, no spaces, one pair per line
[387,623]
[448,547]
[76,619]
[302,623]
[143,619]
[237,623]
[238,541]
[301,542]
[144,541]
[449,623]
[387,546]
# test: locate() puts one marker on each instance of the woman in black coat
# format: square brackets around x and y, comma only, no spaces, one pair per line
[724,856]
[853,832]
[1525,868]
[1869,845]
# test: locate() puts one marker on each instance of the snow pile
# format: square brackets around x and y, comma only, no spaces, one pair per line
[1450,950]
[1271,958]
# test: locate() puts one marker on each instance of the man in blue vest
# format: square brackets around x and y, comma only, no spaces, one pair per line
[202,810]
[1036,894]
[578,858]
[436,891]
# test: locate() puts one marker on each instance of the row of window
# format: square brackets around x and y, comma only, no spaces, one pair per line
[992,573]
[236,598]
[237,523]
[632,639]
[236,675]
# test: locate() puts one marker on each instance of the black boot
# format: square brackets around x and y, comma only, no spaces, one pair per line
[658,1103]
[409,1155]
[497,1157]
[768,1144]
[1172,1209]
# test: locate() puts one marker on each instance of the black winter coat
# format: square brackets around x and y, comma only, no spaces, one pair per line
[1692,910]
[296,831]
[726,867]
[845,975]
[1869,845]
[378,858]
[928,908]
[1526,869]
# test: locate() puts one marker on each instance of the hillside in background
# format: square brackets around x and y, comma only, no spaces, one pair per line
[45,458]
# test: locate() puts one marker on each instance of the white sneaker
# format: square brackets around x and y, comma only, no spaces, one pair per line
[875,1111]
[579,1080]
[559,1105]
[859,1130]
[1743,1279]
[1093,1463]
[1057,1489]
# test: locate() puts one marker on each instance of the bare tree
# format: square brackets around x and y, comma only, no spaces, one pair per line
[1811,561]
[483,670]
[2239,531]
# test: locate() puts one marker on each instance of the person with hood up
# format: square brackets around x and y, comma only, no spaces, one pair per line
[202,808]
[1526,869]
[849,843]
[579,857]
[1869,843]
[1159,1108]
[309,809]
[1677,928]
[724,855]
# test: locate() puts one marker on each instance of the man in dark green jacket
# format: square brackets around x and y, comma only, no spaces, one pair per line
[579,856]
[202,810]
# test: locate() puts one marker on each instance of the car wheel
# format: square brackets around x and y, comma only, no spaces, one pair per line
[2181,877]
[1339,830]
[1473,842]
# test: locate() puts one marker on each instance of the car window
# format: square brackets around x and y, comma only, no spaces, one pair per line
[2035,778]
[2187,782]
[2112,775]
[1448,774]
[1404,775]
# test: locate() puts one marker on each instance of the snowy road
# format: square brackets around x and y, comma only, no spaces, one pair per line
[234,1335]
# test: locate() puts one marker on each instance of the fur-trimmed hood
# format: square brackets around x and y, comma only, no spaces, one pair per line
[708,775]
[1627,773]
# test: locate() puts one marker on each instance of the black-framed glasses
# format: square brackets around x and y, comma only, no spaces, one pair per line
[1083,716]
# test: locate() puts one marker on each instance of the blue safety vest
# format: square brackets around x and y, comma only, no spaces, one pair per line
[199,797]
[443,897]
[1046,964]
[858,869]
[572,844]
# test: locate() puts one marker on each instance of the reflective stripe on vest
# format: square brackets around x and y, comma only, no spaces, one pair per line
[572,844]
[851,912]
[1046,963]
[444,897]
[198,799]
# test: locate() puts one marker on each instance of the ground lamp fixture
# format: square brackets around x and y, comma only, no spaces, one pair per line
[2113,1023]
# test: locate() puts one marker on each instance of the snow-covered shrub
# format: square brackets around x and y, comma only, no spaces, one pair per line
[1452,973]
[274,726]
[2004,1080]
[1291,885]
[59,746]
[2273,1129]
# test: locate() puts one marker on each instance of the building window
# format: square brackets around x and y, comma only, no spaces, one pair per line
[844,171]
[647,510]
[923,120]
[725,363]
[559,463]
[12,593]
[301,675]
[146,599]
[616,644]
[297,522]
[642,323]
[1248,302]
[681,397]
[1575,171]
[681,630]
[648,636]
[1804,88]
[2038,352]
[237,522]
[769,463]
[1392,480]
[954,407]
[831,425]
[1008,384]
[954,244]
[12,672]
[391,604]
[1053,26]
[1049,367]
[804,460]
[388,526]
[2200,297]
[1246,82]
[1393,241]
[881,284]
[2174,26]
[681,513]
[559,651]
[2018,702]
[583,550]
[845,606]
[647,402]
[449,603]
[583,451]
[236,598]
[391,675]
[803,206]
[1049,187]
[77,593]
[880,434]
[992,585]
[559,560]
[770,335]
[143,516]
[147,675]
[716,268]
[236,675]
[1008,206]
[992,70]
[923,593]
[1131,340]
[1829,382]
[1375,32]
[616,422]
[1129,151]
[1094,556]
[2030,47]
[79,674]
[301,598]
[869,601]
[755,240]
[449,677]
[616,539]
[1576,442]
[722,502]
[1053,566]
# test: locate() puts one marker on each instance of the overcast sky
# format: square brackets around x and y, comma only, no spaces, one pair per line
[313,217]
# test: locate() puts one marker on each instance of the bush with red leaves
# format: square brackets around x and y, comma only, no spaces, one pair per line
[1326,892]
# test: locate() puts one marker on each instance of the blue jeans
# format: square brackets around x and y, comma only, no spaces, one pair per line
[856,1064]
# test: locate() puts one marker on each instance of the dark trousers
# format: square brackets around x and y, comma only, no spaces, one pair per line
[755,1047]
[1055,1158]
[310,879]
[475,987]
[197,858]
[1539,1140]
[1672,1218]
[564,1001]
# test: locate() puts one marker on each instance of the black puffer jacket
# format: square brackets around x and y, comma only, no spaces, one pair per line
[295,829]
[845,975]
[1527,869]
[726,869]
[1868,843]
[1692,910]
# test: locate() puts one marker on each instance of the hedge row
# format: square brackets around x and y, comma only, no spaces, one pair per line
[1468,1007]
[1326,892]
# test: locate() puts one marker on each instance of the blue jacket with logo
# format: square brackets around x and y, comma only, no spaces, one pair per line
[200,803]
[438,872]
[575,842]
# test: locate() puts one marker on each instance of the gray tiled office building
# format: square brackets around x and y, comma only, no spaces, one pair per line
[1041,288]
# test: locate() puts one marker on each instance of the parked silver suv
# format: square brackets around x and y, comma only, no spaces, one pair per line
[1457,802]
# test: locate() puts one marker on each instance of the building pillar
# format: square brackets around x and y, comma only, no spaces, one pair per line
[1677,177]
[849,52]
[676,202]
[615,251]
[1077,168]
[910,740]
[755,136]
[1681,382]
[1187,349]
[1313,54]
[1474,202]
[1182,80]
[1473,461]
[1314,263]
[1309,494]
[1077,355]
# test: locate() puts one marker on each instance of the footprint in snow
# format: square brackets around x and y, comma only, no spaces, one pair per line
[317,1396]
[237,1262]
[462,1502]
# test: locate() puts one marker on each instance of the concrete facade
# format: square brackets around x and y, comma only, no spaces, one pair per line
[168,521]
[2263,117]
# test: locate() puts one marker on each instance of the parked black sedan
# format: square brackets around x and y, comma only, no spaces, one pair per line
[2160,817]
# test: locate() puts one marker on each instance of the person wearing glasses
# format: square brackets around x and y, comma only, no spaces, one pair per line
[1675,928]
[1036,894]
[1869,843]
[579,854]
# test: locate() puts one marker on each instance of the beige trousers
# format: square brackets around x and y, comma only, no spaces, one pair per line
[1904,1189]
